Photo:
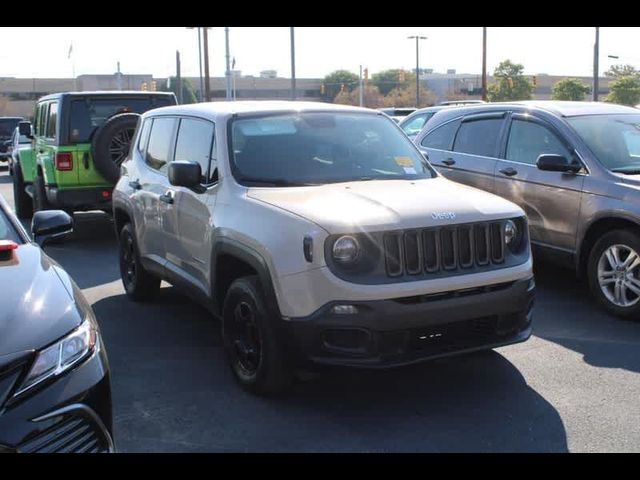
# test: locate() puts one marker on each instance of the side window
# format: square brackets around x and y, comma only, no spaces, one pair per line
[143,140]
[442,137]
[42,111]
[414,126]
[52,121]
[160,141]
[195,139]
[529,140]
[478,137]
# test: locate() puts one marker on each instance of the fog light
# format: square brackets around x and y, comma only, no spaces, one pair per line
[344,310]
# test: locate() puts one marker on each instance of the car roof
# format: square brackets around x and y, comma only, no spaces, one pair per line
[111,93]
[216,110]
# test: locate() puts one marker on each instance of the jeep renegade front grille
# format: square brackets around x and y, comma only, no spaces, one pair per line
[444,249]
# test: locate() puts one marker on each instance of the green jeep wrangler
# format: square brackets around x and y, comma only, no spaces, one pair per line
[78,142]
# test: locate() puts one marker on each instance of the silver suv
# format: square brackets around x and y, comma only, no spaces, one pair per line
[574,167]
[320,235]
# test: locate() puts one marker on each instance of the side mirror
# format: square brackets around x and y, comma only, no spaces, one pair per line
[557,163]
[185,174]
[24,128]
[48,225]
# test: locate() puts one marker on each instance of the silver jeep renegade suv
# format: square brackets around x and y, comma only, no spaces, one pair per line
[319,234]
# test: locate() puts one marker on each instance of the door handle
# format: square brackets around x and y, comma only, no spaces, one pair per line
[135,185]
[167,197]
[449,161]
[85,160]
[509,172]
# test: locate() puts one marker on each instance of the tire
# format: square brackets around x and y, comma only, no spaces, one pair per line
[21,200]
[40,200]
[110,144]
[251,342]
[616,289]
[139,284]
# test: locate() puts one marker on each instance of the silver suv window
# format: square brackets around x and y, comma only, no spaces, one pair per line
[316,148]
[195,144]
[529,140]
[159,148]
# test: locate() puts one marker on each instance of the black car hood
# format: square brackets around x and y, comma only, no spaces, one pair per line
[37,303]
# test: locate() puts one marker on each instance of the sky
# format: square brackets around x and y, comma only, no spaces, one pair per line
[44,52]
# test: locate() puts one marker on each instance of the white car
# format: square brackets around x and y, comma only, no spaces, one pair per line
[320,235]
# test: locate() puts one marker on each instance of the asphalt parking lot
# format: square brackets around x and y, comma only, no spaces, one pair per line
[574,386]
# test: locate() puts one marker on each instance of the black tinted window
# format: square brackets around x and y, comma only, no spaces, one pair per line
[478,137]
[7,127]
[160,143]
[52,121]
[7,232]
[442,137]
[89,114]
[529,140]
[195,138]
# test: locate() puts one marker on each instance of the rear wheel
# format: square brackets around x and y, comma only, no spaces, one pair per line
[614,273]
[251,342]
[40,201]
[138,283]
[21,200]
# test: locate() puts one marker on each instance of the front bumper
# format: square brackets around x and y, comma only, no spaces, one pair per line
[80,198]
[71,414]
[389,333]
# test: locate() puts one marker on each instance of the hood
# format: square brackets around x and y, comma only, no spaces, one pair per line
[388,204]
[37,304]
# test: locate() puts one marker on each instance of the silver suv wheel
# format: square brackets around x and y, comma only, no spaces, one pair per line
[618,275]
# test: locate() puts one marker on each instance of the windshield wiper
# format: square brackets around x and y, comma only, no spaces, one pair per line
[275,182]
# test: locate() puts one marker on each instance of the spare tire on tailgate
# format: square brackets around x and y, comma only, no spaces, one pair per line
[111,142]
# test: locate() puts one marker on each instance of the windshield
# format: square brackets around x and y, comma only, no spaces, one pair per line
[7,126]
[614,140]
[89,114]
[316,148]
[7,232]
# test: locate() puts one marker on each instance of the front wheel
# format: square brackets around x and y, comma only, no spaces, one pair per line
[614,273]
[251,342]
[139,284]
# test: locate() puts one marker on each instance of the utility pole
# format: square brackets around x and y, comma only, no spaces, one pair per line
[207,86]
[293,64]
[361,88]
[228,72]
[178,78]
[200,62]
[484,63]
[418,38]
[596,66]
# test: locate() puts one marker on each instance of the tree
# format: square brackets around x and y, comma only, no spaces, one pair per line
[335,80]
[511,83]
[621,71]
[372,97]
[188,92]
[570,89]
[406,97]
[387,80]
[625,90]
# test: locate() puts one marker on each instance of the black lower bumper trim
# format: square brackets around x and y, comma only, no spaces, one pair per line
[398,332]
[80,198]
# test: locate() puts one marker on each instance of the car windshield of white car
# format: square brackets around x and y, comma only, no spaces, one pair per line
[315,148]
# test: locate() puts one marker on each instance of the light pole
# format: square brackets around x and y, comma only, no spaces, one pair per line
[484,63]
[293,64]
[418,38]
[199,59]
[228,72]
[596,67]
[207,83]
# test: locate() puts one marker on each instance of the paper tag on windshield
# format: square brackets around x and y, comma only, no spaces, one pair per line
[403,161]
[409,170]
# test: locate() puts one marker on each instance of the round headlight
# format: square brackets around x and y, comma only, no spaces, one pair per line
[346,249]
[510,233]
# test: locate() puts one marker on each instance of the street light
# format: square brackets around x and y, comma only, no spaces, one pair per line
[199,60]
[417,38]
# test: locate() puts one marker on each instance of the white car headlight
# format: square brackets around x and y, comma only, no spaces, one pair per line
[61,356]
[510,232]
[346,249]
